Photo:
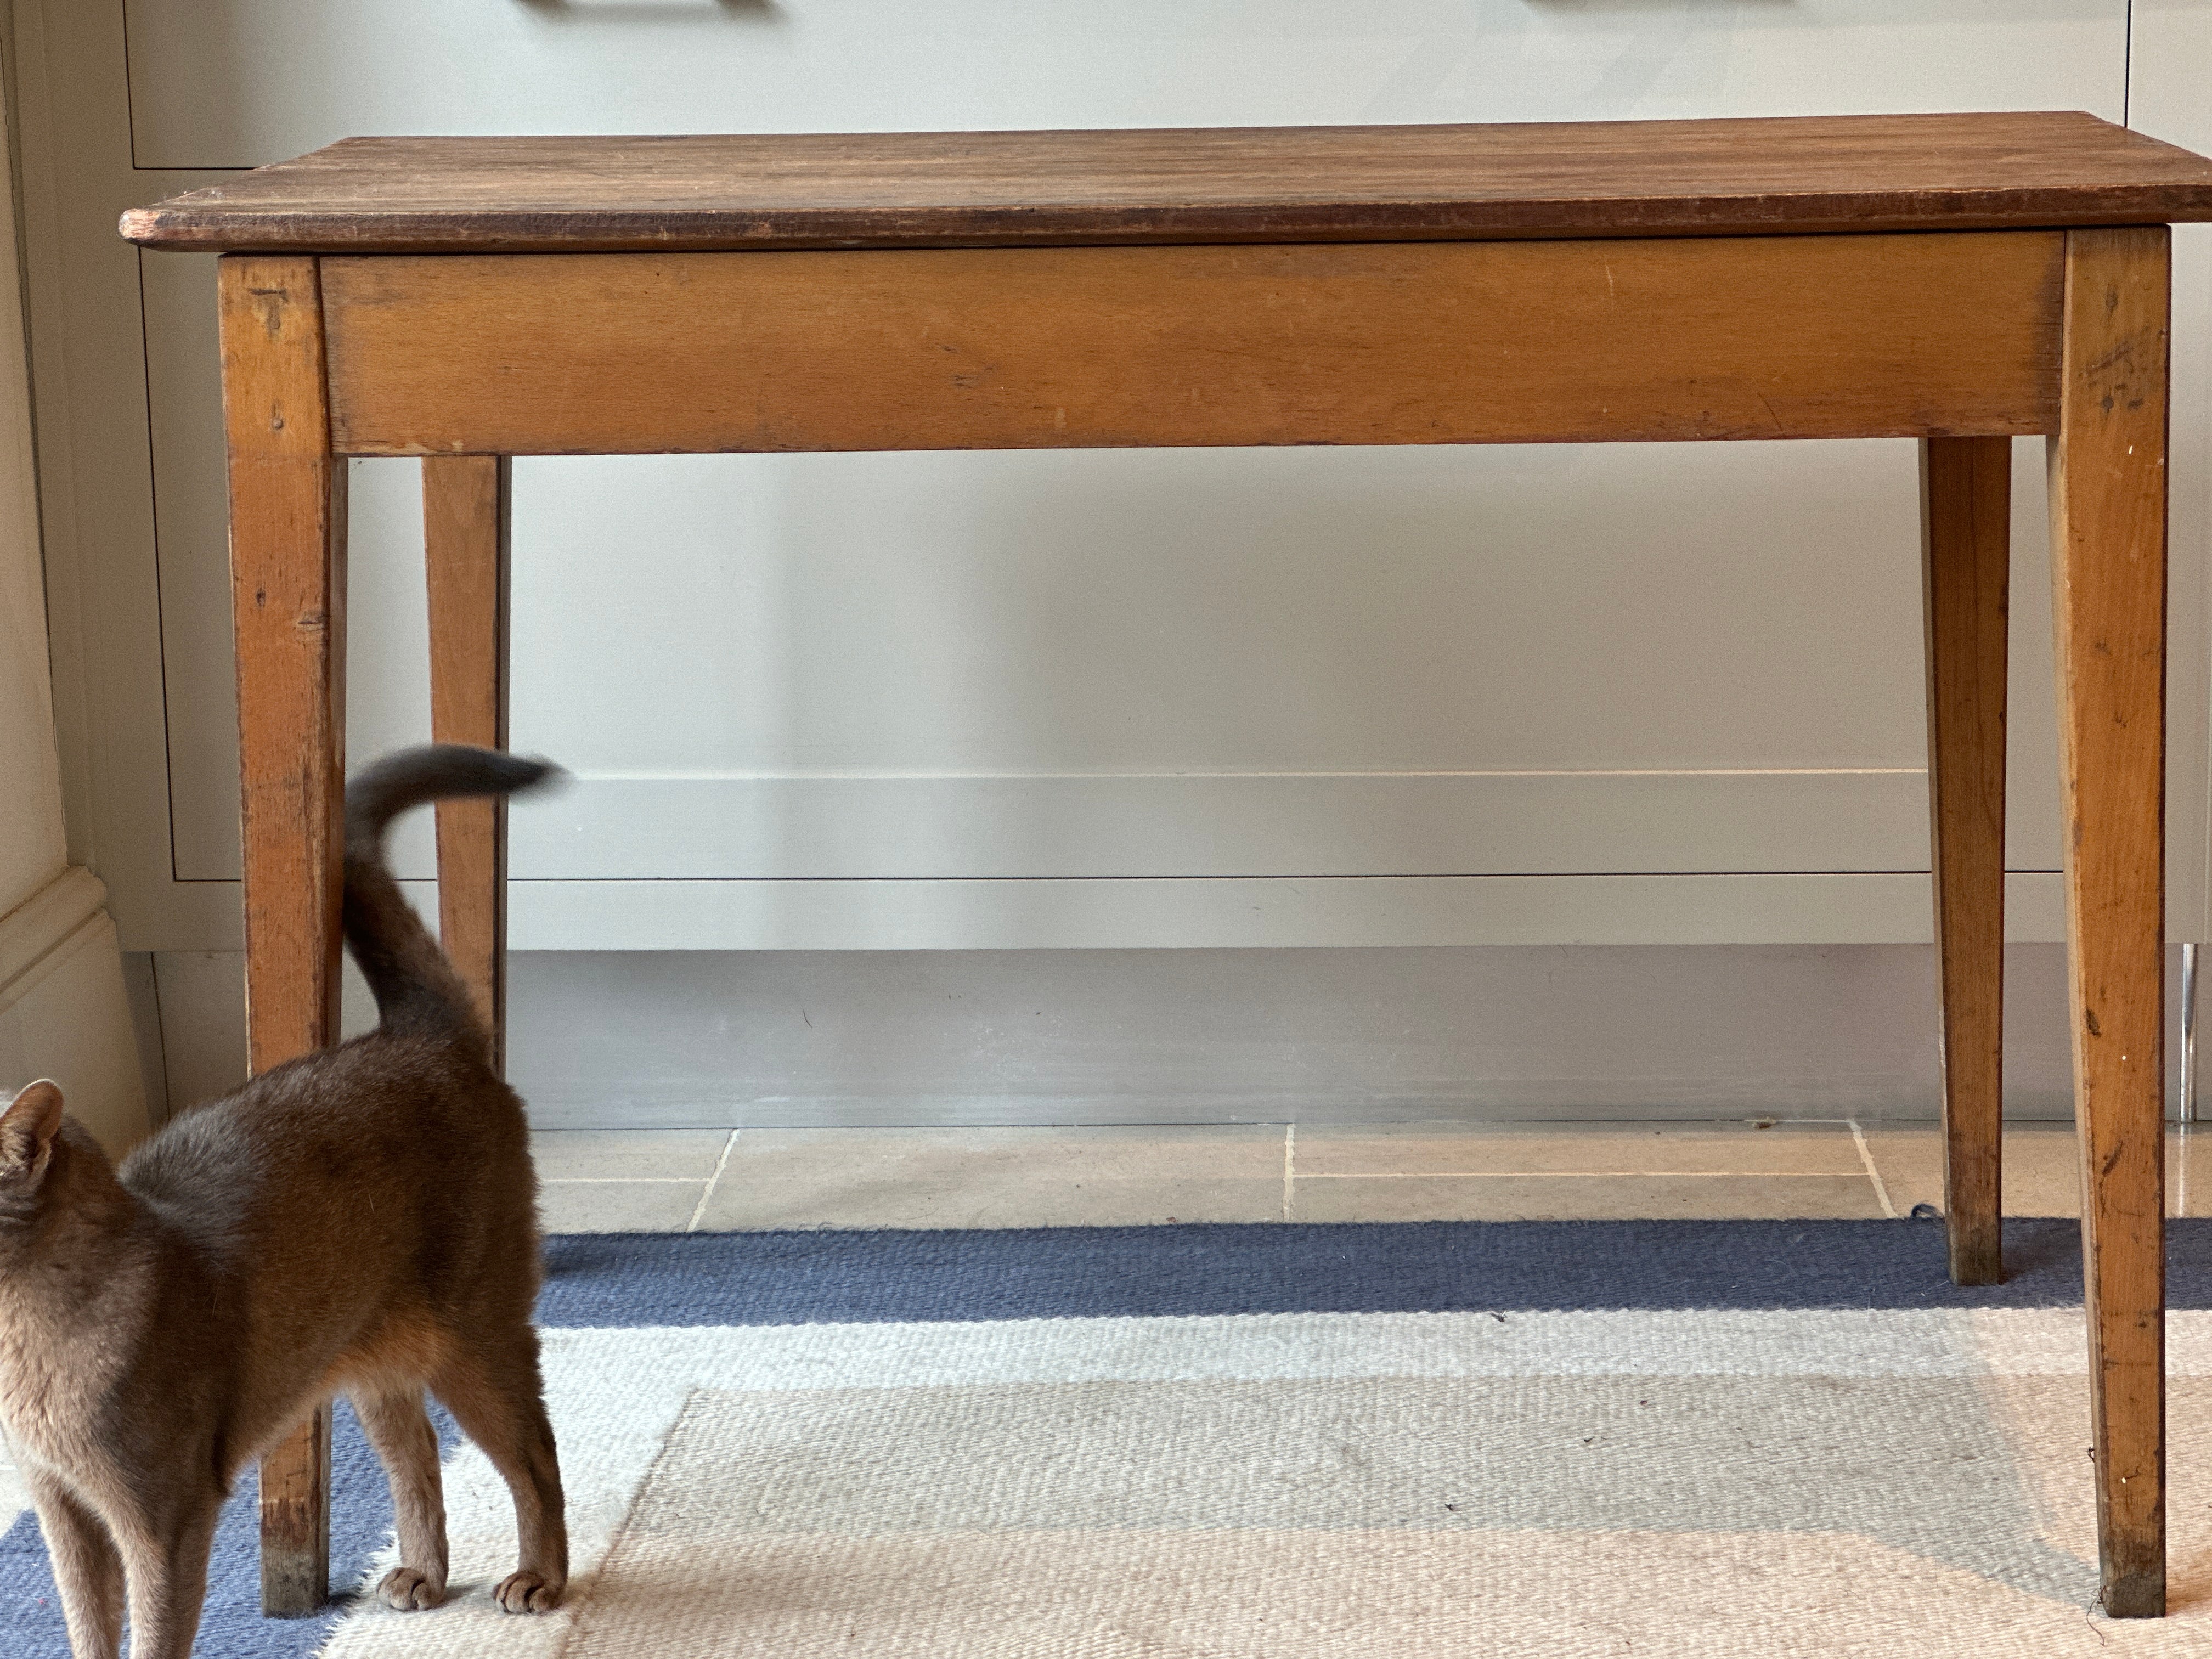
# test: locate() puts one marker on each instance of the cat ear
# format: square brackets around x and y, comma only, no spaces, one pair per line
[29,1127]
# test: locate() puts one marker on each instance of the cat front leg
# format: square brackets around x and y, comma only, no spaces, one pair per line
[167,1563]
[88,1571]
[399,1428]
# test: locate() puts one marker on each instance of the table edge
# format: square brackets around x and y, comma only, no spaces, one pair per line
[219,230]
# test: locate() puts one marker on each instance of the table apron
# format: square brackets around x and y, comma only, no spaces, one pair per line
[1900,335]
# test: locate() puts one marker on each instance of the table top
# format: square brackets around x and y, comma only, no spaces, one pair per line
[1192,184]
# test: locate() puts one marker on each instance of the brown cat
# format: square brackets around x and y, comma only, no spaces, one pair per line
[363,1219]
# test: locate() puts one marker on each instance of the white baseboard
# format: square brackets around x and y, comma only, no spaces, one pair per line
[35,926]
[706,1038]
[1228,913]
[1192,912]
[64,1011]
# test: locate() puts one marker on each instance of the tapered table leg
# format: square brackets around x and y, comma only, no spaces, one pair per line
[465,542]
[287,583]
[1966,516]
[2108,565]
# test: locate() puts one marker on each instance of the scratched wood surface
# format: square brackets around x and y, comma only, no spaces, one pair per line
[1193,185]
[1966,516]
[288,521]
[1784,336]
[465,543]
[2108,490]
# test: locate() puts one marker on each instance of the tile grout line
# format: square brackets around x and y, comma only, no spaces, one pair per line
[1583,1175]
[1866,1156]
[1290,1164]
[713,1182]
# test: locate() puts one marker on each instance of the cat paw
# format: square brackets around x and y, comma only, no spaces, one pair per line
[405,1589]
[527,1592]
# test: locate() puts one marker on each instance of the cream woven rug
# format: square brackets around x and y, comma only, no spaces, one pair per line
[1551,1439]
[1799,1482]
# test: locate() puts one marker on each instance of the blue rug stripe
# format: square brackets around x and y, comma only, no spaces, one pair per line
[1061,1272]
[231,1624]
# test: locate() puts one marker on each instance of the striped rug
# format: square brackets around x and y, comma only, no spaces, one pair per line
[1556,1438]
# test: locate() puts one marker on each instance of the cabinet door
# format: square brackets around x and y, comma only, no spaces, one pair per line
[1254,673]
[241,83]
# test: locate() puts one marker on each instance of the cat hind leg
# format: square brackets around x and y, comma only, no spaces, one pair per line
[495,1390]
[398,1426]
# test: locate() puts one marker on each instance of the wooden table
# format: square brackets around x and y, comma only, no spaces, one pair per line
[1960,279]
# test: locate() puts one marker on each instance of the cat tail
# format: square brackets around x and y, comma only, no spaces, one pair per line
[417,992]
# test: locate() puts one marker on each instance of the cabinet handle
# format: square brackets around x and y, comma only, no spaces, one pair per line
[758,10]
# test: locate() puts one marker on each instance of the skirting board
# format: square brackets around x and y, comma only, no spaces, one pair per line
[63,1012]
[1236,824]
[1557,1033]
[1229,912]
[695,1039]
[1167,913]
[1046,826]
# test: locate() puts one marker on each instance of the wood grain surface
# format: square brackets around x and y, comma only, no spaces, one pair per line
[288,521]
[1192,184]
[2108,491]
[1064,348]
[1966,518]
[465,544]
[296,1520]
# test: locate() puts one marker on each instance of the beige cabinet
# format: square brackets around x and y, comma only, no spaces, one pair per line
[1655,693]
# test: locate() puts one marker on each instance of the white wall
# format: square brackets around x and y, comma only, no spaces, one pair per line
[32,850]
[63,1012]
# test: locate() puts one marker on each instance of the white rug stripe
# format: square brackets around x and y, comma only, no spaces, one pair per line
[2007,1342]
[615,1393]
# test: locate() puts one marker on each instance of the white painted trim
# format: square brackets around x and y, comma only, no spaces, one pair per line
[44,922]
[67,1016]
[94,929]
[884,827]
[1136,913]
[1873,1174]
[1893,907]
[1233,825]
[706,1193]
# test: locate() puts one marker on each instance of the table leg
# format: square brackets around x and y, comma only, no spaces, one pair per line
[287,588]
[2108,567]
[1966,521]
[465,536]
